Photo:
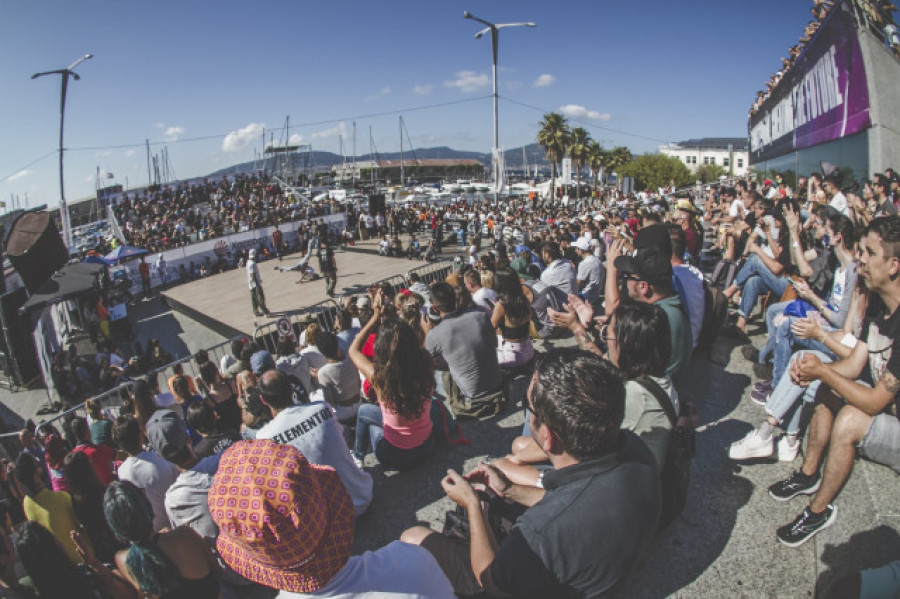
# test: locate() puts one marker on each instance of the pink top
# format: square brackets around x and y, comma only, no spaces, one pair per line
[406,434]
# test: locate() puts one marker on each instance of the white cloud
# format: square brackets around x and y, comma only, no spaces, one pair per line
[469,81]
[130,153]
[240,139]
[173,133]
[422,90]
[544,80]
[22,173]
[340,129]
[296,139]
[384,91]
[576,111]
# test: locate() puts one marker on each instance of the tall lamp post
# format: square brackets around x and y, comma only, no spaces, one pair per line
[65,74]
[495,30]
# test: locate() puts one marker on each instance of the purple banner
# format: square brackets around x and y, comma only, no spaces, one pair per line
[824,97]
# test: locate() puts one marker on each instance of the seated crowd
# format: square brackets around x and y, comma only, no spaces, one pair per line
[255,471]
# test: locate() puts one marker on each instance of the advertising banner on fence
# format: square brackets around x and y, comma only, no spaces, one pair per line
[229,246]
[823,97]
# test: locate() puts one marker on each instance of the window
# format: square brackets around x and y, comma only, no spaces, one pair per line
[694,159]
[740,163]
[725,162]
[706,160]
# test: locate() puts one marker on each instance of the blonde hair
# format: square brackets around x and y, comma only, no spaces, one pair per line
[487,279]
[94,408]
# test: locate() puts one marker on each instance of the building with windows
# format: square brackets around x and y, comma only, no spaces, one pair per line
[731,153]
[836,102]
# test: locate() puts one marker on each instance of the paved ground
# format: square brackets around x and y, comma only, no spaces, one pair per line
[723,545]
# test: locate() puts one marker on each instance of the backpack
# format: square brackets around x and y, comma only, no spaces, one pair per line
[715,311]
[675,476]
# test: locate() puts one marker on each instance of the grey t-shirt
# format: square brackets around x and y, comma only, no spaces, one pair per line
[467,342]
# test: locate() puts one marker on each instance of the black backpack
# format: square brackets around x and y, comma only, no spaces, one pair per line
[715,311]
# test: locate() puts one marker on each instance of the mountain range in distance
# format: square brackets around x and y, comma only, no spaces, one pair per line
[324,161]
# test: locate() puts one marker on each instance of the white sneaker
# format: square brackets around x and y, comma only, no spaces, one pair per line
[359,463]
[752,446]
[786,451]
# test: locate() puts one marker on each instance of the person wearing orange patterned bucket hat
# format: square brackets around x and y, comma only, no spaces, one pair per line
[288,524]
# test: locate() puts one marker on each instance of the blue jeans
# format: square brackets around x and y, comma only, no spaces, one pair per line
[783,404]
[786,343]
[370,439]
[753,280]
[771,313]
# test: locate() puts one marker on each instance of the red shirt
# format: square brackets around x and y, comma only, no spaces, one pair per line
[102,458]
[144,269]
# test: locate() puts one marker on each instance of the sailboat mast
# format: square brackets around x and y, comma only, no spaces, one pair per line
[402,179]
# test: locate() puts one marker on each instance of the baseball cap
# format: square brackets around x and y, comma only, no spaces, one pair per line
[166,433]
[261,361]
[363,302]
[582,244]
[649,263]
[656,235]
[252,254]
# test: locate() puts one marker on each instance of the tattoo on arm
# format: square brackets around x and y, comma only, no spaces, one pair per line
[890,382]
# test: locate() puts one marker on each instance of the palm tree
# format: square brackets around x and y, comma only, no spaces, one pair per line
[618,157]
[554,138]
[579,143]
[596,158]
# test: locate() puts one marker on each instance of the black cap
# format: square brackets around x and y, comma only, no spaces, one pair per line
[650,264]
[656,235]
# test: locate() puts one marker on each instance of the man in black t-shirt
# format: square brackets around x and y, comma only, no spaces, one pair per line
[855,416]
[591,516]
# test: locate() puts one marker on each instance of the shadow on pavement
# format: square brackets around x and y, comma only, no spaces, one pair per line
[867,549]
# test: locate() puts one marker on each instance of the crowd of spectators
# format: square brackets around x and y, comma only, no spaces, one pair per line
[877,15]
[182,493]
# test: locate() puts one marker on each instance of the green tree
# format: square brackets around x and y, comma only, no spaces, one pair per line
[579,147]
[651,171]
[597,159]
[710,172]
[554,138]
[618,157]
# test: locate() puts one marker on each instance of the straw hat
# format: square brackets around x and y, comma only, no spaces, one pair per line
[283,522]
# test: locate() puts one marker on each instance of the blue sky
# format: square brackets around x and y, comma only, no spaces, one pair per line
[202,79]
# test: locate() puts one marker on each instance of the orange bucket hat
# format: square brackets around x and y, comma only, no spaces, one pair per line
[283,522]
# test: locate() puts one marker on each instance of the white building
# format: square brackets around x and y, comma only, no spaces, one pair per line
[731,153]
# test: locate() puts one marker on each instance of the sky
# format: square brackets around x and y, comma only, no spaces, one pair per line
[202,81]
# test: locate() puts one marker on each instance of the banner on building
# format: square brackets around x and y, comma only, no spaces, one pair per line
[822,98]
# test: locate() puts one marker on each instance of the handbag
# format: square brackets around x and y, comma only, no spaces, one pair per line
[675,476]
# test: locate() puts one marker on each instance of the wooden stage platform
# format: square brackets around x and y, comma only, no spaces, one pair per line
[222,302]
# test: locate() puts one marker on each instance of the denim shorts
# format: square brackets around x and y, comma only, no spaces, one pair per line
[882,441]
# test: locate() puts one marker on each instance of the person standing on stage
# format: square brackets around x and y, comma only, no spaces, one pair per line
[257,297]
[277,241]
[327,263]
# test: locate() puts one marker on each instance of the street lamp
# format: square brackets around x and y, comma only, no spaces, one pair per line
[65,73]
[494,29]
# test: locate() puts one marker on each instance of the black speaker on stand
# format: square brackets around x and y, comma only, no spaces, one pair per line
[16,340]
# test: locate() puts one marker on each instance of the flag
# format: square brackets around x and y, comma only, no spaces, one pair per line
[110,176]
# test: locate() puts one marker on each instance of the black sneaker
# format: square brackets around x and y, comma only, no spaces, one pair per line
[762,371]
[806,526]
[796,484]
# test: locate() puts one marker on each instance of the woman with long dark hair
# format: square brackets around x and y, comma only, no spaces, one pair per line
[222,397]
[174,564]
[398,429]
[87,500]
[512,320]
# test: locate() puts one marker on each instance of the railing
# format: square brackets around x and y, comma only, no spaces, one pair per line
[432,273]
[112,399]
[324,313]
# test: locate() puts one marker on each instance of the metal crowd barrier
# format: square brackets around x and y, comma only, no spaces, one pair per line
[432,273]
[110,400]
[325,313]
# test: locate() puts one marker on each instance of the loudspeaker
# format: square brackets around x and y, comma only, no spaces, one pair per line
[35,248]
[376,203]
[16,340]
